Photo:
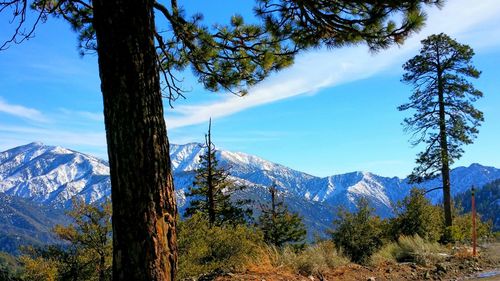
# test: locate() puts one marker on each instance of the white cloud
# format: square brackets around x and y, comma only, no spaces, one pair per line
[315,70]
[92,116]
[22,134]
[22,111]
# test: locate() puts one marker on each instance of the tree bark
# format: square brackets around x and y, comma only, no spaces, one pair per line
[445,163]
[144,209]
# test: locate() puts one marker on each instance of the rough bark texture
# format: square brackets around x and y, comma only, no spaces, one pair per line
[144,242]
[445,163]
[445,166]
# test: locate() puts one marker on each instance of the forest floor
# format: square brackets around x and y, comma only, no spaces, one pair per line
[486,267]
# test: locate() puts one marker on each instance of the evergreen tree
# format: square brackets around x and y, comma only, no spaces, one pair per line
[134,49]
[358,235]
[212,190]
[416,215]
[445,118]
[278,224]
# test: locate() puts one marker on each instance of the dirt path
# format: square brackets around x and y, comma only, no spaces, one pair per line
[493,251]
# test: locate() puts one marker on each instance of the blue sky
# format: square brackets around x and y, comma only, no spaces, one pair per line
[333,112]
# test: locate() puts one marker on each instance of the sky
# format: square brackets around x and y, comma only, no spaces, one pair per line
[334,111]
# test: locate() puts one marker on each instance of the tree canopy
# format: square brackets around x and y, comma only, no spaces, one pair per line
[444,117]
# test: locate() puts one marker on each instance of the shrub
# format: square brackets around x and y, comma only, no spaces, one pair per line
[410,249]
[312,260]
[461,230]
[38,268]
[204,249]
[358,235]
[387,253]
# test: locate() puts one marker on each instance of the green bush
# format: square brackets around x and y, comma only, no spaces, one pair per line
[410,249]
[204,249]
[461,230]
[358,235]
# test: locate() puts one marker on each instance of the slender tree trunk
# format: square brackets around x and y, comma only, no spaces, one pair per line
[273,216]
[102,262]
[144,241]
[445,166]
[210,185]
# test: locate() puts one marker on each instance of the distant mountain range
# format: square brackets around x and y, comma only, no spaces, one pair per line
[51,176]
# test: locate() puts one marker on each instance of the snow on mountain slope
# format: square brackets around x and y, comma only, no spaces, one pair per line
[53,175]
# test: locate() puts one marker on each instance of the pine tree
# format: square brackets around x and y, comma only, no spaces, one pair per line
[137,56]
[279,225]
[445,118]
[416,215]
[358,235]
[212,190]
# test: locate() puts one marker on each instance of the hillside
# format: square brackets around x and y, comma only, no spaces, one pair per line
[487,202]
[24,222]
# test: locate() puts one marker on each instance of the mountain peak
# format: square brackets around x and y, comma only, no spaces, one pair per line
[35,144]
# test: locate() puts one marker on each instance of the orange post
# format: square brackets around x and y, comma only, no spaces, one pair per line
[473,207]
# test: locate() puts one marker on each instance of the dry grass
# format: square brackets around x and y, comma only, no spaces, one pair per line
[313,260]
[410,249]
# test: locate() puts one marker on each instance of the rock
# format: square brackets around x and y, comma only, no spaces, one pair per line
[371,279]
[441,268]
[311,277]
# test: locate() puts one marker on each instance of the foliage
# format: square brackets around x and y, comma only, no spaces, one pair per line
[39,268]
[212,190]
[409,249]
[204,248]
[461,231]
[10,269]
[359,234]
[279,225]
[86,255]
[237,55]
[415,215]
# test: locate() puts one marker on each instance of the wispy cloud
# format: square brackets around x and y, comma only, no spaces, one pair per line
[89,141]
[51,136]
[92,116]
[319,69]
[22,111]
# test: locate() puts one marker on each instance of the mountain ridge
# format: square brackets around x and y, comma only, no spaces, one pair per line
[51,176]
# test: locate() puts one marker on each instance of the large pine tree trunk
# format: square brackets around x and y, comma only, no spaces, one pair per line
[445,162]
[144,242]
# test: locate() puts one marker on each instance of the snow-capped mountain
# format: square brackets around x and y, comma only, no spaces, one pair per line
[53,175]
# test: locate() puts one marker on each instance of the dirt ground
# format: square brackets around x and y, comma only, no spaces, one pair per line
[451,268]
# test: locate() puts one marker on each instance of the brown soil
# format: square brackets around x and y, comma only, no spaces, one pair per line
[452,268]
